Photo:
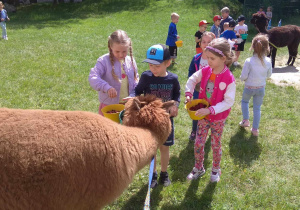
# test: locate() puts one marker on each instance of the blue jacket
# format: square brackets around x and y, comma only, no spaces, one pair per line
[3,15]
[172,35]
[194,66]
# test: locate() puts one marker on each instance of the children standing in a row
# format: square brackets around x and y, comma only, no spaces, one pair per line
[198,35]
[173,36]
[255,72]
[115,74]
[198,62]
[218,88]
[165,85]
[3,18]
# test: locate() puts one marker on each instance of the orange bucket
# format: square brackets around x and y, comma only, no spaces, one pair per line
[113,107]
[194,103]
[179,43]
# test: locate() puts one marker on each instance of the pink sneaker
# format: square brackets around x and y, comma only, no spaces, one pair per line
[254,132]
[244,123]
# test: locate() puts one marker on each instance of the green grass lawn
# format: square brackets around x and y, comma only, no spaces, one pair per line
[46,62]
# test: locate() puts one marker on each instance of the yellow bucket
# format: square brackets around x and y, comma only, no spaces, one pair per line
[113,116]
[194,103]
[179,43]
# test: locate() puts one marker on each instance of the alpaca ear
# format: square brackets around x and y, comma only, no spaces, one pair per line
[137,103]
[168,104]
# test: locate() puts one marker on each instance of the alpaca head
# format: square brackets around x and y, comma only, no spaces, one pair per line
[260,21]
[149,112]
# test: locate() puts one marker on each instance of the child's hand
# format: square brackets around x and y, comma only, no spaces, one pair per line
[178,36]
[202,112]
[8,19]
[173,110]
[112,92]
[126,99]
[187,99]
[2,19]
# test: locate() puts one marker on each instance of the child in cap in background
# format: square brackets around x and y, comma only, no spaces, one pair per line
[225,18]
[198,35]
[198,62]
[165,85]
[173,36]
[216,26]
[115,74]
[240,28]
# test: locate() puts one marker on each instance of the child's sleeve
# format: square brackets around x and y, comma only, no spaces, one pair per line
[192,68]
[245,70]
[191,83]
[176,91]
[95,77]
[139,89]
[228,101]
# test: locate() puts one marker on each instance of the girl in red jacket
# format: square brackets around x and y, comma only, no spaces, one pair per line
[218,88]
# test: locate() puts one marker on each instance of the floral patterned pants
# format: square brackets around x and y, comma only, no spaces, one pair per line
[216,133]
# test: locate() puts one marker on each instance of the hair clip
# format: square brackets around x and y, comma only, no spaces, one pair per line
[216,50]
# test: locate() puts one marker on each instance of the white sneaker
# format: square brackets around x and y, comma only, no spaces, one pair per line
[195,173]
[215,176]
[5,38]
[236,63]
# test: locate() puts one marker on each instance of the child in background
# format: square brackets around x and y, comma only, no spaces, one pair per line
[173,36]
[199,61]
[269,13]
[261,10]
[218,88]
[255,72]
[115,73]
[165,85]
[3,18]
[225,18]
[229,33]
[216,26]
[198,35]
[240,28]
[225,26]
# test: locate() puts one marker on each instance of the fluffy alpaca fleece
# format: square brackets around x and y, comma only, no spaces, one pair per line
[282,36]
[73,159]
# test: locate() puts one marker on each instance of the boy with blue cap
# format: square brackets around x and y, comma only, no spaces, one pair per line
[165,85]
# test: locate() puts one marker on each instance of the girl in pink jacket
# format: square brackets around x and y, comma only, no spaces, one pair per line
[218,88]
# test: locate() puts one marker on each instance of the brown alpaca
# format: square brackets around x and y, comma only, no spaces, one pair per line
[73,159]
[282,36]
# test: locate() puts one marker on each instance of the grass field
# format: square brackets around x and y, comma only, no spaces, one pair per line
[46,62]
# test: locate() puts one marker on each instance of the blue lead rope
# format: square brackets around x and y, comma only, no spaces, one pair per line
[147,200]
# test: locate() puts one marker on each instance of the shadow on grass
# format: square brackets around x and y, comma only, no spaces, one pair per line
[184,163]
[244,149]
[192,200]
[48,15]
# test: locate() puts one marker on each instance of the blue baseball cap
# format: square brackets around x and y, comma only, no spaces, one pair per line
[157,54]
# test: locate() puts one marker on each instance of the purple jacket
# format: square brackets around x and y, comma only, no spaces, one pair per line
[223,95]
[101,78]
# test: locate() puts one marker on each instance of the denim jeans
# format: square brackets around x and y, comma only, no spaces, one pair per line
[3,26]
[258,96]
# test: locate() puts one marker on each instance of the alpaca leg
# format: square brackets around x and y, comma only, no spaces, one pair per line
[289,60]
[274,51]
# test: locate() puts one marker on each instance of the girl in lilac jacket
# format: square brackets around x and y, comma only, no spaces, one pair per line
[218,88]
[115,74]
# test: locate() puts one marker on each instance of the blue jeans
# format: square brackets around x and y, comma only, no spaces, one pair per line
[3,26]
[258,96]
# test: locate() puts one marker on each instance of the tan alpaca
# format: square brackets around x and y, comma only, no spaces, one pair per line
[76,160]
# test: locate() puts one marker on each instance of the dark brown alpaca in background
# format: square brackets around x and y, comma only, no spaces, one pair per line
[282,36]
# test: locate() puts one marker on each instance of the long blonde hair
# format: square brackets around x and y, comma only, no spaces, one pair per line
[260,46]
[222,45]
[119,37]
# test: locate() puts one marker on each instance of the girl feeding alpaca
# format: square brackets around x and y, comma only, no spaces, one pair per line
[218,88]
[198,62]
[255,72]
[115,73]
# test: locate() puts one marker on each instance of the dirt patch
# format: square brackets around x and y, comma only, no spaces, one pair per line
[284,75]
